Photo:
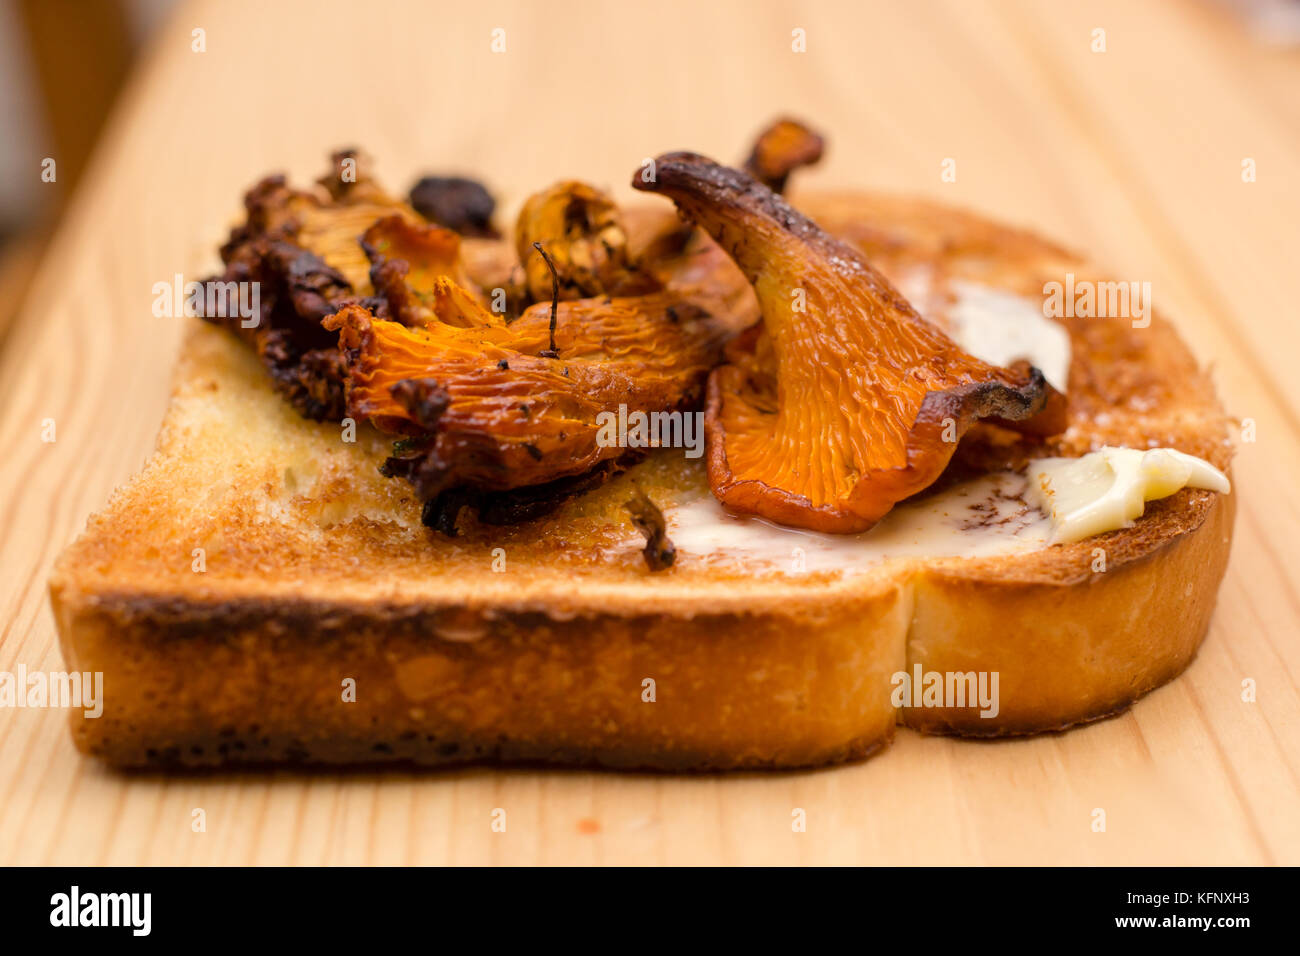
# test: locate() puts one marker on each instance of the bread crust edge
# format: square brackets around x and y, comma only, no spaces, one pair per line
[258,681]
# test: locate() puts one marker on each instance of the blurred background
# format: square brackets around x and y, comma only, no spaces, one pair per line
[63,64]
[1137,157]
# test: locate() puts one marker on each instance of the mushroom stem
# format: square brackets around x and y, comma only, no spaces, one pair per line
[555,299]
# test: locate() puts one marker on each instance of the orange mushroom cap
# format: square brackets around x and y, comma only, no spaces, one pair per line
[846,401]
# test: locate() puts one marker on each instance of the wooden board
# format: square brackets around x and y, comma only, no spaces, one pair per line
[1134,154]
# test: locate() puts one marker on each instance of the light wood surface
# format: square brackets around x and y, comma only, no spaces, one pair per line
[1134,155]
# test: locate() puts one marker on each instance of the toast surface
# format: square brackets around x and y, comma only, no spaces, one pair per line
[536,641]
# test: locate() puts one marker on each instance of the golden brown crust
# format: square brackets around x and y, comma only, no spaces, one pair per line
[315,569]
[231,681]
[1067,652]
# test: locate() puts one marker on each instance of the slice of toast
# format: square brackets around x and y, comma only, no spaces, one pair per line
[259,593]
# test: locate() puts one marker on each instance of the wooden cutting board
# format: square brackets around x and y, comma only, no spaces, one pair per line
[1134,154]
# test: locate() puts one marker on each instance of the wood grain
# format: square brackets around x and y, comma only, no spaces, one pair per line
[1133,154]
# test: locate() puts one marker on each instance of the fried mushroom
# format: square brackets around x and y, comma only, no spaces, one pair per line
[582,230]
[786,145]
[846,400]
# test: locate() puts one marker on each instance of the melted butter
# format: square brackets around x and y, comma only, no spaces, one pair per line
[984,517]
[918,285]
[1001,328]
[992,324]
[1109,489]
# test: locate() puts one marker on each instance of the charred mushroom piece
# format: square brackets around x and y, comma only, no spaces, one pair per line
[582,230]
[330,226]
[456,203]
[312,253]
[332,229]
[406,260]
[334,233]
[351,179]
[783,147]
[512,416]
[780,149]
[659,551]
[847,401]
[296,290]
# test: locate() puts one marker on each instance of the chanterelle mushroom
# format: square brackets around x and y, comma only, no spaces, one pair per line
[847,400]
[780,149]
[490,407]
[582,230]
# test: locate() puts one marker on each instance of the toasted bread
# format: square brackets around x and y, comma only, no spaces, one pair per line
[260,563]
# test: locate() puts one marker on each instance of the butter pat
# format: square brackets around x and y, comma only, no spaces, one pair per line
[1109,489]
